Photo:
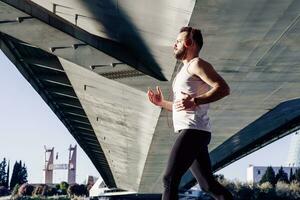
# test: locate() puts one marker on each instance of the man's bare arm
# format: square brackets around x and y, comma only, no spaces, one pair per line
[219,87]
[168,105]
[157,99]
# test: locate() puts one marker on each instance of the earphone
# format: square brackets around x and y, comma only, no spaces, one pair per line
[189,42]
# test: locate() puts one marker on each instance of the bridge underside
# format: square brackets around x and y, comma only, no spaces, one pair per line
[92,63]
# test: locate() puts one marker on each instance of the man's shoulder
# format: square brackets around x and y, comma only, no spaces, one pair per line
[200,64]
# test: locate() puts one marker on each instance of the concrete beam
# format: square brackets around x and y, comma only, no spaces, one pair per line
[51,63]
[94,144]
[82,119]
[92,139]
[76,114]
[85,130]
[73,110]
[62,91]
[55,79]
[71,42]
[69,103]
[86,126]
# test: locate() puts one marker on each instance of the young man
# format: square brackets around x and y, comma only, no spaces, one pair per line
[194,87]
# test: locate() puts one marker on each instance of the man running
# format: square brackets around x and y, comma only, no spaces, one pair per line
[195,86]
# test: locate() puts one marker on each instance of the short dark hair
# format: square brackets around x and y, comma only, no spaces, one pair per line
[195,34]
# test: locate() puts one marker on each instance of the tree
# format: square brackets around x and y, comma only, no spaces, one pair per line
[64,187]
[3,191]
[23,174]
[19,175]
[3,173]
[269,176]
[297,175]
[15,190]
[14,176]
[25,190]
[282,176]
[7,175]
[292,176]
[219,177]
[77,190]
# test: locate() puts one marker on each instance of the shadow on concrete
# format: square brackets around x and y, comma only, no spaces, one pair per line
[130,47]
[118,26]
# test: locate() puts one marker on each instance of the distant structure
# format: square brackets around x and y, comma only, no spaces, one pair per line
[194,193]
[49,157]
[91,180]
[72,164]
[293,159]
[50,166]
[255,173]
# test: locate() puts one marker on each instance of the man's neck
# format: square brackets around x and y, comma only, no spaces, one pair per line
[189,58]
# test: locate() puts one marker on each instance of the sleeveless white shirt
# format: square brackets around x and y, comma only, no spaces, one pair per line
[194,86]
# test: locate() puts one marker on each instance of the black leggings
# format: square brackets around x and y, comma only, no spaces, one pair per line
[190,151]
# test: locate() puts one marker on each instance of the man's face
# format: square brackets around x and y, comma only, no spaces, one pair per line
[179,48]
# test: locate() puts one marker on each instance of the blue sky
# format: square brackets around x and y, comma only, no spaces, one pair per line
[27,124]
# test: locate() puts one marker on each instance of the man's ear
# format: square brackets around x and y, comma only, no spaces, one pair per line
[188,42]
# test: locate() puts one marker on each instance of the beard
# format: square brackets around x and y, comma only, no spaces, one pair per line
[180,54]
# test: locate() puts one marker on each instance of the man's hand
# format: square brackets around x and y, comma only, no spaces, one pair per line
[186,103]
[156,98]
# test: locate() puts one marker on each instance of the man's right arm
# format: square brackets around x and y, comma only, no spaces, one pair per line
[168,105]
[157,99]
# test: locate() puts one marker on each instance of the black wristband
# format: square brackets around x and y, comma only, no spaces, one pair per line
[196,101]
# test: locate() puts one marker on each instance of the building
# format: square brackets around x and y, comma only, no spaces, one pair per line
[255,173]
[293,159]
[194,193]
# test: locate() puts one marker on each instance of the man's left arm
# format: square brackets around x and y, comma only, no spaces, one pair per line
[219,87]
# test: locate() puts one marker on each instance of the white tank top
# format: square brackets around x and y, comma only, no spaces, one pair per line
[194,86]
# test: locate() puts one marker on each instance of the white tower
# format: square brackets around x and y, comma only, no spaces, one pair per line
[48,168]
[293,159]
[72,164]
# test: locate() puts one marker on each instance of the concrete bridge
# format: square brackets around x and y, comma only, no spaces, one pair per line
[92,61]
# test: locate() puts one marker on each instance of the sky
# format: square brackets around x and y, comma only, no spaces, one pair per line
[27,124]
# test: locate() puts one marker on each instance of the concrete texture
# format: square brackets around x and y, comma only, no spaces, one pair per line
[92,62]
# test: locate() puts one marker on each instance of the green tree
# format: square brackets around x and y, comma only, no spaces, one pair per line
[7,175]
[3,191]
[297,175]
[281,176]
[64,187]
[269,176]
[25,190]
[77,190]
[3,173]
[15,190]
[14,176]
[23,174]
[19,175]
[57,186]
[292,176]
